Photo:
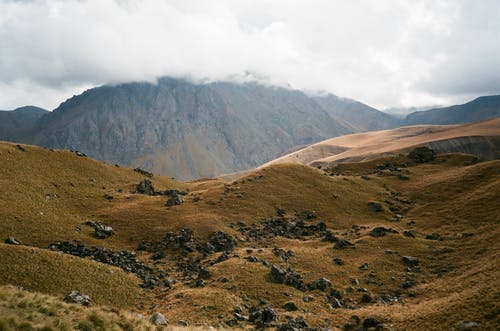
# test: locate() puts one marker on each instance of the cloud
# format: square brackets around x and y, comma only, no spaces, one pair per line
[385,53]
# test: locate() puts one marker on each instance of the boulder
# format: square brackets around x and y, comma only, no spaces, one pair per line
[222,241]
[410,261]
[321,284]
[12,241]
[380,231]
[434,236]
[174,200]
[78,298]
[102,231]
[290,306]
[144,172]
[145,187]
[277,274]
[159,319]
[375,206]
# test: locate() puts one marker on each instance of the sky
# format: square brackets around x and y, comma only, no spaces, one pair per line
[386,53]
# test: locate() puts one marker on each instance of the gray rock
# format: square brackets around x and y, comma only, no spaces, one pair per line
[410,261]
[12,241]
[321,284]
[375,206]
[422,154]
[277,274]
[290,306]
[468,325]
[78,298]
[159,319]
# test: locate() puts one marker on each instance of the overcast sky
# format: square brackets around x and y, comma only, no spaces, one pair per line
[384,53]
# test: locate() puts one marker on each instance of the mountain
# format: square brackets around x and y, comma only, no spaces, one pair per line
[479,138]
[479,109]
[357,116]
[14,124]
[287,246]
[190,130]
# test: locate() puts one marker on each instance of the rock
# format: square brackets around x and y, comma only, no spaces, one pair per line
[12,241]
[252,259]
[159,319]
[145,187]
[409,234]
[108,197]
[466,325]
[408,284]
[366,298]
[335,303]
[290,306]
[321,284]
[174,200]
[339,243]
[380,231]
[338,261]
[371,322]
[144,172]
[294,324]
[353,324]
[410,261]
[183,323]
[200,283]
[307,298]
[102,231]
[158,255]
[277,274]
[422,154]
[364,266]
[375,206]
[222,241]
[21,148]
[78,298]
[434,236]
[262,316]
[78,153]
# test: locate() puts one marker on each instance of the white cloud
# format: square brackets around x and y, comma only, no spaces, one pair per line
[384,52]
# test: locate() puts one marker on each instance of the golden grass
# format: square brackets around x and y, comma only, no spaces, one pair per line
[452,196]
[55,273]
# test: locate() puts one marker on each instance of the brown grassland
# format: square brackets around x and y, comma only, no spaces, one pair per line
[48,195]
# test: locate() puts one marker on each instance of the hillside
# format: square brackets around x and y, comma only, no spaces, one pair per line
[208,261]
[190,130]
[481,139]
[479,109]
[15,124]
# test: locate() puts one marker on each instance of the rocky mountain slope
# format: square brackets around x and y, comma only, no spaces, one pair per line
[16,124]
[388,244]
[479,109]
[189,130]
[481,139]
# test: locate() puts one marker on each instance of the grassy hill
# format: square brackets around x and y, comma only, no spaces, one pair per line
[267,213]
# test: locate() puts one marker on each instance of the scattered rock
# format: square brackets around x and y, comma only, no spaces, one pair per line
[174,199]
[262,317]
[294,324]
[21,148]
[108,197]
[422,154]
[144,172]
[222,241]
[307,298]
[159,319]
[183,323]
[353,324]
[366,298]
[371,322]
[290,306]
[80,154]
[380,231]
[467,325]
[321,284]
[409,234]
[200,283]
[375,206]
[364,266]
[277,274]
[78,298]
[145,187]
[434,236]
[12,241]
[102,231]
[338,261]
